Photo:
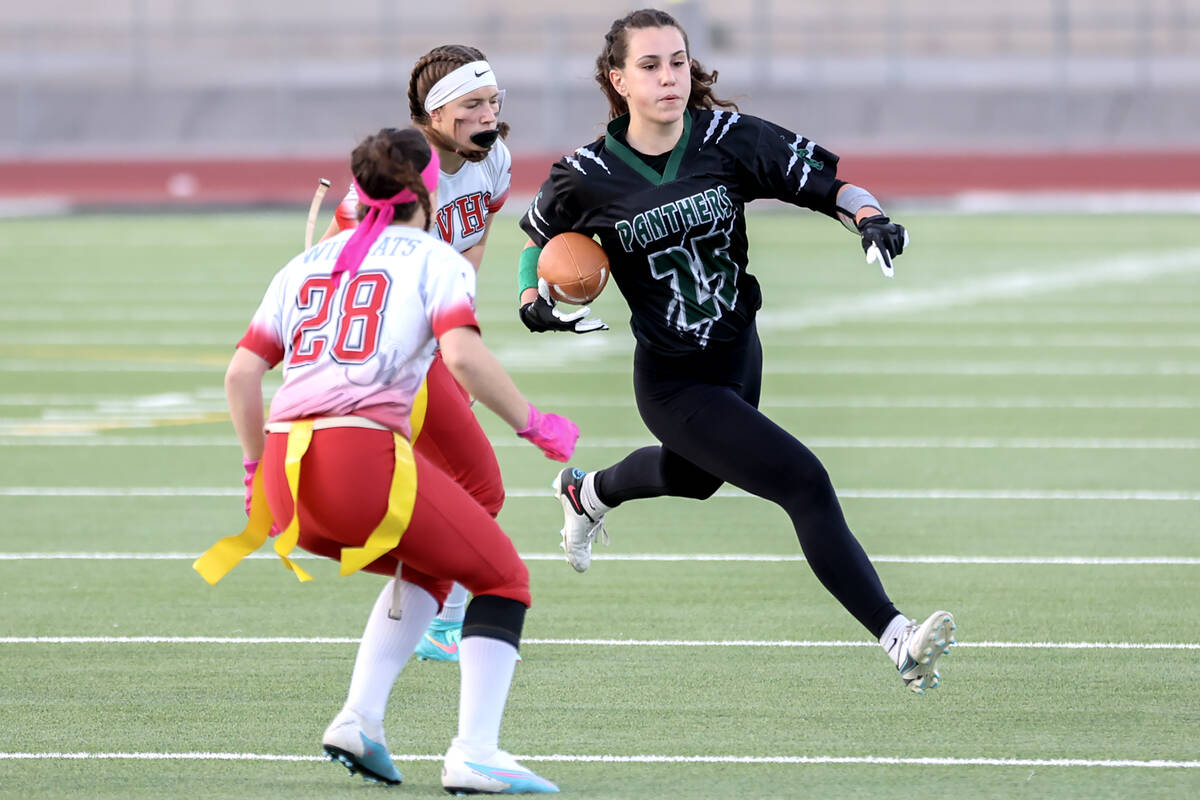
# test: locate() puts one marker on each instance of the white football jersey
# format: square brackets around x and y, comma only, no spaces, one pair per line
[363,347]
[465,199]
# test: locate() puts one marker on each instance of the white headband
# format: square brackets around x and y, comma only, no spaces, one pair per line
[463,80]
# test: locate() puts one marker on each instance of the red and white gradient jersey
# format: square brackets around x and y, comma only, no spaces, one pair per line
[364,347]
[465,199]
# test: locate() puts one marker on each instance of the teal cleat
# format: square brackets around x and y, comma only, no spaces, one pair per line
[440,642]
[346,741]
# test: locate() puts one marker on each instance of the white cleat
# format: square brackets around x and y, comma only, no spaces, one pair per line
[358,744]
[579,529]
[920,648]
[499,773]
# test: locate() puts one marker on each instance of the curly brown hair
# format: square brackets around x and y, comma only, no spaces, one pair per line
[429,69]
[390,161]
[616,50]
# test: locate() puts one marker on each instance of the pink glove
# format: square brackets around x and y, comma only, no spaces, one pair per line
[248,481]
[555,435]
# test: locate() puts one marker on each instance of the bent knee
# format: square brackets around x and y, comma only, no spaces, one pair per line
[491,498]
[511,581]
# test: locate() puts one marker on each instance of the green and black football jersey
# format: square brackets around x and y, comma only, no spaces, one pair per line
[676,241]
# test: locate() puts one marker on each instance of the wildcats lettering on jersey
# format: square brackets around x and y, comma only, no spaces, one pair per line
[470,214]
[683,214]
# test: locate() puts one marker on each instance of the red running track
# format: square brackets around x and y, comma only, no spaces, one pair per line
[183,182]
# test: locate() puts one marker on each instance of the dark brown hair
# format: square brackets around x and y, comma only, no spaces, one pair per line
[388,162]
[429,69]
[616,50]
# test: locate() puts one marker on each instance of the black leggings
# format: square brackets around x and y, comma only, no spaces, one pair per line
[711,433]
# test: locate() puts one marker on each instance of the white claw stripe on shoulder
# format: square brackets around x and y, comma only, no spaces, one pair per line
[716,121]
[588,154]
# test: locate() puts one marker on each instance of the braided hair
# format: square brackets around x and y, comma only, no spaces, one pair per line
[390,161]
[616,50]
[429,69]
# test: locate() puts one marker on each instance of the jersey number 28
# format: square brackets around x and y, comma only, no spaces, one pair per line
[356,330]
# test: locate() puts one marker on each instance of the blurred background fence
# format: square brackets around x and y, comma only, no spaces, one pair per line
[169,90]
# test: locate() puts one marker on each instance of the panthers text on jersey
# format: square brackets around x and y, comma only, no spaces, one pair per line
[466,199]
[676,236]
[363,346]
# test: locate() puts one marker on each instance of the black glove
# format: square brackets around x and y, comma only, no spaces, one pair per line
[888,239]
[541,315]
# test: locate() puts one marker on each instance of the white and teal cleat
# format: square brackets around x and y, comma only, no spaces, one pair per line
[921,647]
[499,773]
[358,744]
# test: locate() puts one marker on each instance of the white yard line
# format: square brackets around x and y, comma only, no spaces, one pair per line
[986,341]
[90,438]
[1056,315]
[739,643]
[208,400]
[641,759]
[576,366]
[726,494]
[977,288]
[823,340]
[1076,561]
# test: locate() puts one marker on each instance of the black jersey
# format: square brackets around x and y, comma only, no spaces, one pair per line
[676,241]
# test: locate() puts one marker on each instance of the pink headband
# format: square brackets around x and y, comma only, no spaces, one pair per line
[379,215]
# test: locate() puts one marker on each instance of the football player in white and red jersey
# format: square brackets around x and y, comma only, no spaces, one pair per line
[355,322]
[454,99]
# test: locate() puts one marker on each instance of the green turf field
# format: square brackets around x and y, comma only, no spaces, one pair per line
[1012,424]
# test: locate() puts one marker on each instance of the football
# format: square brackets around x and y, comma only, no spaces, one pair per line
[575,267]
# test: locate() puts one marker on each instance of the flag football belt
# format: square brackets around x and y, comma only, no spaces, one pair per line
[223,556]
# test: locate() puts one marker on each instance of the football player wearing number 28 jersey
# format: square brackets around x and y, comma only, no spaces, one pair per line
[665,191]
[355,323]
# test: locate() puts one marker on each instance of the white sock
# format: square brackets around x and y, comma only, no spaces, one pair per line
[590,500]
[455,607]
[893,637]
[487,667]
[386,646]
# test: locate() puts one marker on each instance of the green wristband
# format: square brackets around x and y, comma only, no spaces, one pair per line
[527,277]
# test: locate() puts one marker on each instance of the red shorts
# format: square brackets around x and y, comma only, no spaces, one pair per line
[345,478]
[451,439]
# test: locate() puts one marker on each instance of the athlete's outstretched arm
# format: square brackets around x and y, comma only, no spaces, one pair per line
[882,239]
[243,391]
[856,203]
[474,366]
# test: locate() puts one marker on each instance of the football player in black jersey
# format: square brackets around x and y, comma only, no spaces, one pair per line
[665,191]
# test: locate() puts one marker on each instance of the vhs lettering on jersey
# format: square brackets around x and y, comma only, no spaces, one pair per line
[470,211]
